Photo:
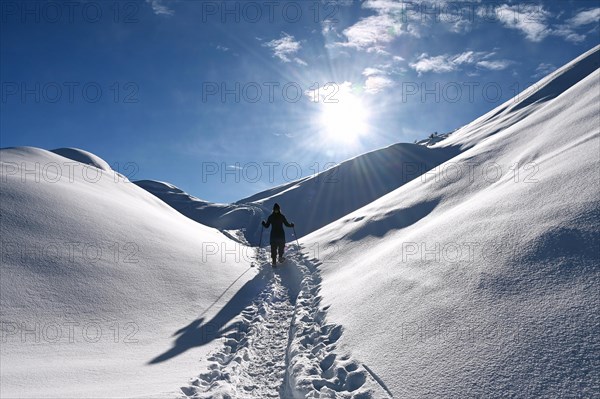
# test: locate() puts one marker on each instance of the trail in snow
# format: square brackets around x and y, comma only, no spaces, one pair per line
[282,346]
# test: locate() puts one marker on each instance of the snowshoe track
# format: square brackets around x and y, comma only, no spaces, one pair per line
[282,347]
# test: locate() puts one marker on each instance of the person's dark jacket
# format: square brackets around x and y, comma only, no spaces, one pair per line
[277,220]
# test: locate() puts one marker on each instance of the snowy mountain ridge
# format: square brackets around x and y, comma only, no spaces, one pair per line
[376,172]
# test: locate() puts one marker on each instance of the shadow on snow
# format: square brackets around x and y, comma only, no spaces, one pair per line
[201,332]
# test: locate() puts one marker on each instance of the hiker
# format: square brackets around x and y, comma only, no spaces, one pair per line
[277,219]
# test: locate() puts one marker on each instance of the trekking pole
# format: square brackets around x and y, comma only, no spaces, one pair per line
[296,235]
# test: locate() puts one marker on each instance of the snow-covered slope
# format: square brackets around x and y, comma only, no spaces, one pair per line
[242,217]
[314,201]
[105,291]
[361,180]
[83,157]
[480,279]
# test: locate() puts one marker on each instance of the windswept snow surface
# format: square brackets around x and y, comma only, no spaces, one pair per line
[480,279]
[99,280]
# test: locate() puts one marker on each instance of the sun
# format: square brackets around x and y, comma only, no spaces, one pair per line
[346,120]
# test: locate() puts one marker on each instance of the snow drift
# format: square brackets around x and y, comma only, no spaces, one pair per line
[480,278]
[106,290]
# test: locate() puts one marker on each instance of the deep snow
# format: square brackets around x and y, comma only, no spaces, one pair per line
[472,283]
[104,274]
[476,279]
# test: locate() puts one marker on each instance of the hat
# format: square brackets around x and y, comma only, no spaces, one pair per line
[276,206]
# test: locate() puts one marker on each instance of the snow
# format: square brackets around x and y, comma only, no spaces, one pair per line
[283,347]
[474,286]
[376,173]
[87,256]
[473,275]
[84,157]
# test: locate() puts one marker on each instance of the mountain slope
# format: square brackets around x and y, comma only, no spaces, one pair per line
[361,180]
[480,278]
[477,278]
[313,201]
[98,279]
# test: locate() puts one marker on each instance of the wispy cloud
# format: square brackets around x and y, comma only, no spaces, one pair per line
[381,76]
[159,8]
[449,63]
[372,71]
[585,17]
[375,32]
[437,64]
[371,33]
[498,65]
[531,20]
[581,19]
[286,48]
[567,33]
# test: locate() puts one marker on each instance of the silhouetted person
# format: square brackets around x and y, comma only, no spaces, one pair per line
[277,219]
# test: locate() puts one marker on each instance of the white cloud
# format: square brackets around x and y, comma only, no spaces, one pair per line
[495,65]
[370,32]
[159,8]
[372,71]
[568,34]
[380,76]
[374,32]
[286,48]
[449,63]
[529,19]
[384,6]
[567,31]
[468,57]
[222,48]
[395,18]
[401,6]
[455,16]
[585,17]
[376,83]
[437,64]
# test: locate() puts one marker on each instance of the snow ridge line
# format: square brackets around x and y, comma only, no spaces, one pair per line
[282,346]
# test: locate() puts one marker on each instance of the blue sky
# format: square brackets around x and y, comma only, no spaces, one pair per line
[225,99]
